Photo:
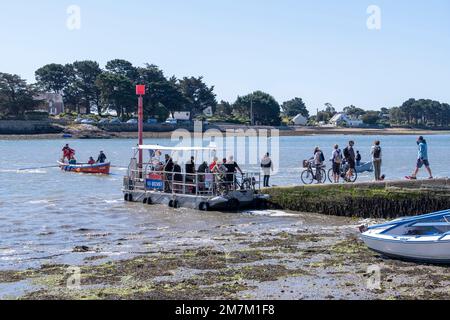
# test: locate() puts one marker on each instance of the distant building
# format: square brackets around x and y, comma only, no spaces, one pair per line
[299,120]
[343,120]
[51,102]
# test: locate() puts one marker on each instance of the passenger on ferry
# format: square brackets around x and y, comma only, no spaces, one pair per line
[232,169]
[177,177]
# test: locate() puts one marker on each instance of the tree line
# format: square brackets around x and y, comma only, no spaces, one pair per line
[87,87]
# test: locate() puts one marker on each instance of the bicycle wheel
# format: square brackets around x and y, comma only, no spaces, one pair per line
[307,177]
[331,175]
[354,177]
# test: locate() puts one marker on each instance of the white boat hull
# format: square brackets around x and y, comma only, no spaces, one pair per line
[425,249]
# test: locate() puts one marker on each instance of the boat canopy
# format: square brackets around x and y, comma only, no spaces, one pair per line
[179,149]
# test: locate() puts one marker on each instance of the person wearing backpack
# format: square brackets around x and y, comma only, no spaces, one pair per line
[318,161]
[336,159]
[377,160]
[350,158]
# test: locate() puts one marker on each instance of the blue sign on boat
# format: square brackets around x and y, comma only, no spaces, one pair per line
[154,184]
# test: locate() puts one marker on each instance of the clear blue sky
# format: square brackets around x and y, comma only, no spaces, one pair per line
[319,50]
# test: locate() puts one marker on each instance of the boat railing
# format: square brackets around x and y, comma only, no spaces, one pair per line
[195,184]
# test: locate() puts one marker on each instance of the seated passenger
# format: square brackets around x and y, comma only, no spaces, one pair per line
[91,161]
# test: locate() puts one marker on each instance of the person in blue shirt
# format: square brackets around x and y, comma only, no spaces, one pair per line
[422,158]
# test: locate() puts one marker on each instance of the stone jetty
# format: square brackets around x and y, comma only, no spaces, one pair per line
[390,199]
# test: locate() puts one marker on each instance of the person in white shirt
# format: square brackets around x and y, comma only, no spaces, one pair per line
[267,168]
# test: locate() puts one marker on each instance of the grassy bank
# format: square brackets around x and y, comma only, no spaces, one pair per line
[367,200]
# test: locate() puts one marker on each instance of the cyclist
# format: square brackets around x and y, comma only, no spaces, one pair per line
[318,161]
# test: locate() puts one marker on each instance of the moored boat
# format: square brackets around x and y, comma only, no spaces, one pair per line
[97,168]
[423,238]
[365,167]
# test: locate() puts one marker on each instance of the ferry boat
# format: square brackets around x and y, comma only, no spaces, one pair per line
[224,191]
[97,168]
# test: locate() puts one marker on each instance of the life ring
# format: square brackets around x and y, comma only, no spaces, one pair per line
[203,206]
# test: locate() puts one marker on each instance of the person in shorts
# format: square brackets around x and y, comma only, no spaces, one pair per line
[422,159]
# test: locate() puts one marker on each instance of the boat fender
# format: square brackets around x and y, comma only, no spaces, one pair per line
[171,203]
[130,197]
[126,197]
[149,201]
[176,205]
[145,201]
[204,206]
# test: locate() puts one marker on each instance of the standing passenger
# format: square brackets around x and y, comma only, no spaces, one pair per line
[337,162]
[267,168]
[376,158]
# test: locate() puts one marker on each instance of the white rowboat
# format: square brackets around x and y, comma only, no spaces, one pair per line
[423,238]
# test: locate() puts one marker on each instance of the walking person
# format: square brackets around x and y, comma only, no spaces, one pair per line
[350,158]
[422,159]
[336,159]
[377,160]
[267,168]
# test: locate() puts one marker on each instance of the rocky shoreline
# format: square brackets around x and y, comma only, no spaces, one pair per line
[24,130]
[301,263]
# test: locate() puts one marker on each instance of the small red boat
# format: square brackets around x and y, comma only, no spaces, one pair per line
[97,168]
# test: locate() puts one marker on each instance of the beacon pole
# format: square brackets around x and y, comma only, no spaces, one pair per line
[140,91]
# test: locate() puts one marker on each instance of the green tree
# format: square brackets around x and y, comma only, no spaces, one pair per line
[53,77]
[294,107]
[197,94]
[123,68]
[162,93]
[266,110]
[371,117]
[117,93]
[224,109]
[354,112]
[86,73]
[16,96]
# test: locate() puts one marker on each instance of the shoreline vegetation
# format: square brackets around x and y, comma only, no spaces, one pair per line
[91,132]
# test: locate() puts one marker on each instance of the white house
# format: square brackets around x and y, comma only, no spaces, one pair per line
[299,120]
[341,119]
[182,116]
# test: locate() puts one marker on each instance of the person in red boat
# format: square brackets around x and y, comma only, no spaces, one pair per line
[91,161]
[68,153]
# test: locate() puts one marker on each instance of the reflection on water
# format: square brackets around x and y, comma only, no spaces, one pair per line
[45,213]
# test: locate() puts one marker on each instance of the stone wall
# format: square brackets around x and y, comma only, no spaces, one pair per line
[11,127]
[366,200]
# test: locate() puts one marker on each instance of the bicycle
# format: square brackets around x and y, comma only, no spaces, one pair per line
[343,174]
[311,173]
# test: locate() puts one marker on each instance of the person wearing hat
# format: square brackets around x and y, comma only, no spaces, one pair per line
[422,159]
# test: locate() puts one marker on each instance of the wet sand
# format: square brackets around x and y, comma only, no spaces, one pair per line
[312,258]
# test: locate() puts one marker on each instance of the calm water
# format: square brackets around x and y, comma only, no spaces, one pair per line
[45,213]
